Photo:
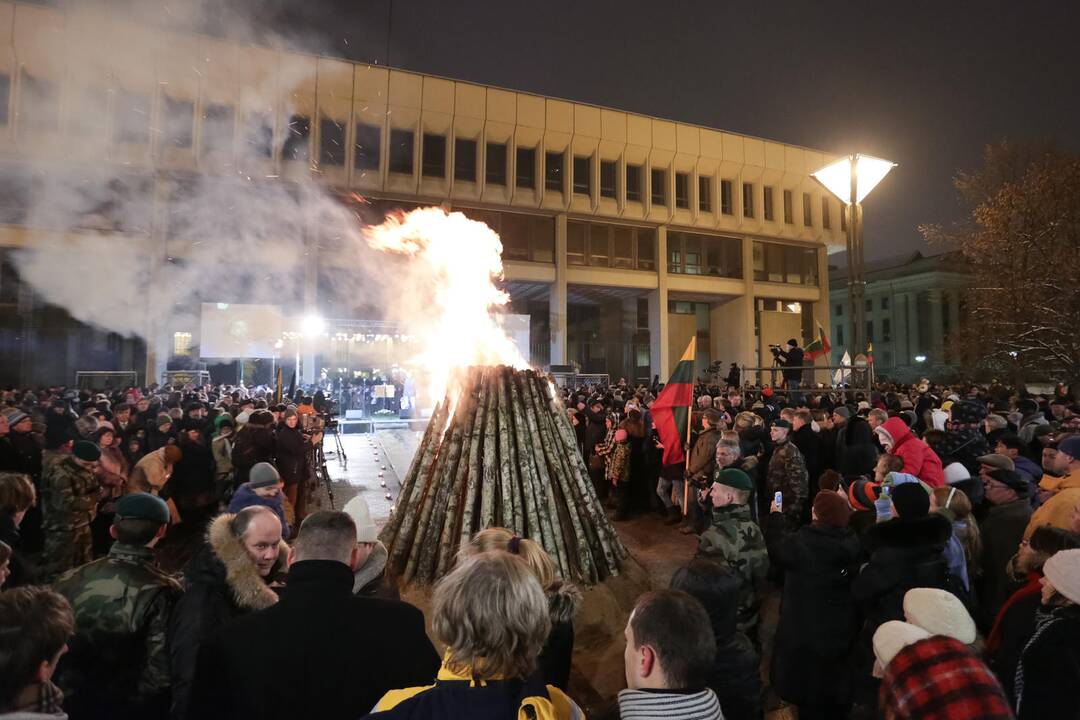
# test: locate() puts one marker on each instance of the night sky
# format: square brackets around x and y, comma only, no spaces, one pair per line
[925,84]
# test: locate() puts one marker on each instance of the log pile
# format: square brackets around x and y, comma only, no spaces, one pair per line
[500,452]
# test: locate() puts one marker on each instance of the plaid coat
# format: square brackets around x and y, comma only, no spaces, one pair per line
[941,679]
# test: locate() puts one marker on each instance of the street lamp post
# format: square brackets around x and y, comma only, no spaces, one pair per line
[851,179]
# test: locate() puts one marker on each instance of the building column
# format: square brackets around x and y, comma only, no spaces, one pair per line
[823,314]
[915,346]
[937,329]
[557,296]
[311,307]
[659,360]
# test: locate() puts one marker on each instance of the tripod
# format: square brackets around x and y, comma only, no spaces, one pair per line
[339,449]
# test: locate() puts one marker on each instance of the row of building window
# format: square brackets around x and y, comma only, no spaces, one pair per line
[39,102]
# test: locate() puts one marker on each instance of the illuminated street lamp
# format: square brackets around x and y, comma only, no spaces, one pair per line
[851,179]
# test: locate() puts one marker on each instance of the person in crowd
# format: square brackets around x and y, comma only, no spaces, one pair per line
[905,551]
[818,616]
[963,553]
[221,447]
[17,495]
[118,664]
[1048,673]
[191,485]
[264,488]
[564,598]
[964,439]
[1031,418]
[934,677]
[699,468]
[667,659]
[919,460]
[809,444]
[1015,622]
[1002,529]
[35,625]
[25,447]
[153,471]
[617,472]
[790,357]
[228,577]
[1012,447]
[254,444]
[321,624]
[787,473]
[160,433]
[851,431]
[493,617]
[734,677]
[70,491]
[290,458]
[735,539]
[370,578]
[1063,490]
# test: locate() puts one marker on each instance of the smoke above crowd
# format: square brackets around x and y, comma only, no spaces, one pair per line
[234,230]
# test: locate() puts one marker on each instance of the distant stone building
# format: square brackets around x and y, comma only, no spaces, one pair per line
[913,303]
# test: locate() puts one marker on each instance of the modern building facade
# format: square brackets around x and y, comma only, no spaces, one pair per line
[913,303]
[624,235]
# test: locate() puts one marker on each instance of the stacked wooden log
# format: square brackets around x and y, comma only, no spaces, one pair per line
[500,452]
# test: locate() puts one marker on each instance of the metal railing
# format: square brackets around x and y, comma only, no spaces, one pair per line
[858,379]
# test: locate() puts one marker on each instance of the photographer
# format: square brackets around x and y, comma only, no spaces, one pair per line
[790,358]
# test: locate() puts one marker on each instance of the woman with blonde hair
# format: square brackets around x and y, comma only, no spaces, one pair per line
[563,597]
[491,614]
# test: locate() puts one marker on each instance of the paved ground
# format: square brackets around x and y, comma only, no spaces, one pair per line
[388,452]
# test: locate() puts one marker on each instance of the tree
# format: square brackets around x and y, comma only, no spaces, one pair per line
[1021,240]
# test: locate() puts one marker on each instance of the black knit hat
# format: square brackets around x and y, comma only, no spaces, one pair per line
[910,500]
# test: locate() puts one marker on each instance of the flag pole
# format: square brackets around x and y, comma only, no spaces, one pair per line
[689,426]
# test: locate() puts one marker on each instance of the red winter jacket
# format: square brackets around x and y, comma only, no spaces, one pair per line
[919,459]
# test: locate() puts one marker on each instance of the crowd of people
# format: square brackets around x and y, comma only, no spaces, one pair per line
[924,543]
[852,505]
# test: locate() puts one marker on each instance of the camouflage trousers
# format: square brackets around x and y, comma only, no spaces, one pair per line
[66,550]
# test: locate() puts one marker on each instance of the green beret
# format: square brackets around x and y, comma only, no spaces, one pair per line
[735,478]
[142,506]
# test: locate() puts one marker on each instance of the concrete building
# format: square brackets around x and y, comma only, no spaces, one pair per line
[913,303]
[624,235]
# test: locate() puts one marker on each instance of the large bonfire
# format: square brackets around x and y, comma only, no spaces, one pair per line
[499,450]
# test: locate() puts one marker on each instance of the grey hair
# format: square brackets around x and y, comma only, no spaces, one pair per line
[493,616]
[996,422]
[733,446]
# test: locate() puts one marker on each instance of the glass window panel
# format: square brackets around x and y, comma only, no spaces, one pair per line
[514,233]
[793,264]
[401,151]
[646,248]
[217,128]
[259,135]
[543,239]
[675,252]
[633,183]
[608,173]
[296,139]
[759,262]
[433,156]
[495,169]
[768,198]
[748,200]
[599,245]
[726,206]
[366,152]
[789,211]
[465,159]
[659,186]
[807,210]
[525,175]
[693,255]
[682,190]
[704,194]
[622,247]
[575,243]
[331,142]
[582,175]
[774,262]
[553,171]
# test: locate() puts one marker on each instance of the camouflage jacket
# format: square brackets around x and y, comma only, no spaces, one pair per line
[736,540]
[787,473]
[118,655]
[69,496]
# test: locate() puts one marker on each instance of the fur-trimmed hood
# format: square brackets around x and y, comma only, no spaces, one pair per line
[934,529]
[564,599]
[246,587]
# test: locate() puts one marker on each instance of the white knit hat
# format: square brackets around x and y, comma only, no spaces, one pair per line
[893,636]
[939,612]
[1063,572]
[956,472]
[357,509]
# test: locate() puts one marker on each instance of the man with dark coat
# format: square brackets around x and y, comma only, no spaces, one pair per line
[787,474]
[819,620]
[809,444]
[850,430]
[351,650]
[191,485]
[735,677]
[791,359]
[229,577]
[1001,531]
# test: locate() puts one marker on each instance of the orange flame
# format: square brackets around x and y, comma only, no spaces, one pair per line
[449,301]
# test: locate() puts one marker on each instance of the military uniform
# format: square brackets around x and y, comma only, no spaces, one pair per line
[118,662]
[735,539]
[787,474]
[69,497]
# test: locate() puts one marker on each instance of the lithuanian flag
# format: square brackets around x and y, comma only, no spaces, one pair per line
[671,411]
[819,347]
[870,353]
